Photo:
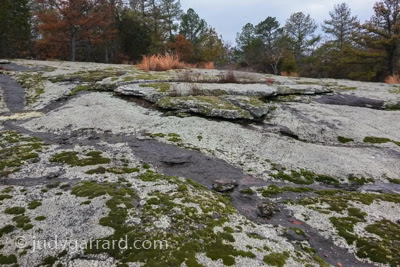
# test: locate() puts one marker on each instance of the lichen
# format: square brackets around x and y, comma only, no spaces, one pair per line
[33,82]
[186,229]
[17,150]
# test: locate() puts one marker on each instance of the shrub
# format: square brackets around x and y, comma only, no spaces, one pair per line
[160,63]
[395,79]
[229,77]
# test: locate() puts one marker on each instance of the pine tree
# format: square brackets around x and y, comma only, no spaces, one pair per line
[382,31]
[300,31]
[15,29]
[341,25]
[192,26]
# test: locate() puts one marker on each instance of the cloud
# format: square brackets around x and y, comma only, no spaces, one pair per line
[228,17]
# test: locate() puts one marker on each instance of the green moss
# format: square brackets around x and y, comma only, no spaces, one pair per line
[386,250]
[355,212]
[228,229]
[79,88]
[99,170]
[304,177]
[155,135]
[123,170]
[72,159]
[298,231]
[6,229]
[16,150]
[34,85]
[345,227]
[40,218]
[161,87]
[49,261]
[361,181]
[22,222]
[255,236]
[11,259]
[2,197]
[184,233]
[320,261]
[345,140]
[92,76]
[247,191]
[173,137]
[65,186]
[394,181]
[34,204]
[276,259]
[345,88]
[392,107]
[14,210]
[379,140]
[53,185]
[129,79]
[87,202]
[273,190]
[146,166]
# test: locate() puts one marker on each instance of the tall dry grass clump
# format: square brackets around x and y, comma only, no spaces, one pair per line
[160,63]
[394,79]
[290,74]
[209,65]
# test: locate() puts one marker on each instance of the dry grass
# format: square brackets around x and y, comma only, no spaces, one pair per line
[209,66]
[395,79]
[290,74]
[160,63]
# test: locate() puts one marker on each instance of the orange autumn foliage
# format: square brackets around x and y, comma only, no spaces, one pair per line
[394,79]
[65,25]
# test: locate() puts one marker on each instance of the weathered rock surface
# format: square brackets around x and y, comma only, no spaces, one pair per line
[81,163]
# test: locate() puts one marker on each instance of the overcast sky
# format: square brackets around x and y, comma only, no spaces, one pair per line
[229,16]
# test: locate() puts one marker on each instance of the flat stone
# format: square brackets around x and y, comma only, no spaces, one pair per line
[266,209]
[224,185]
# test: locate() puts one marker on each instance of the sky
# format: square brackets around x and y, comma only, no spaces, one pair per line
[229,16]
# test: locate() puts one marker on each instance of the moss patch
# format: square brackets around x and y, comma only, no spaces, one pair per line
[187,225]
[79,88]
[161,87]
[379,140]
[6,229]
[72,158]
[11,259]
[14,210]
[304,177]
[87,76]
[273,190]
[16,150]
[345,140]
[33,83]
[276,259]
[34,204]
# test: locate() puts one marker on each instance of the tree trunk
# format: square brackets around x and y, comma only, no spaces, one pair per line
[73,46]
[392,60]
